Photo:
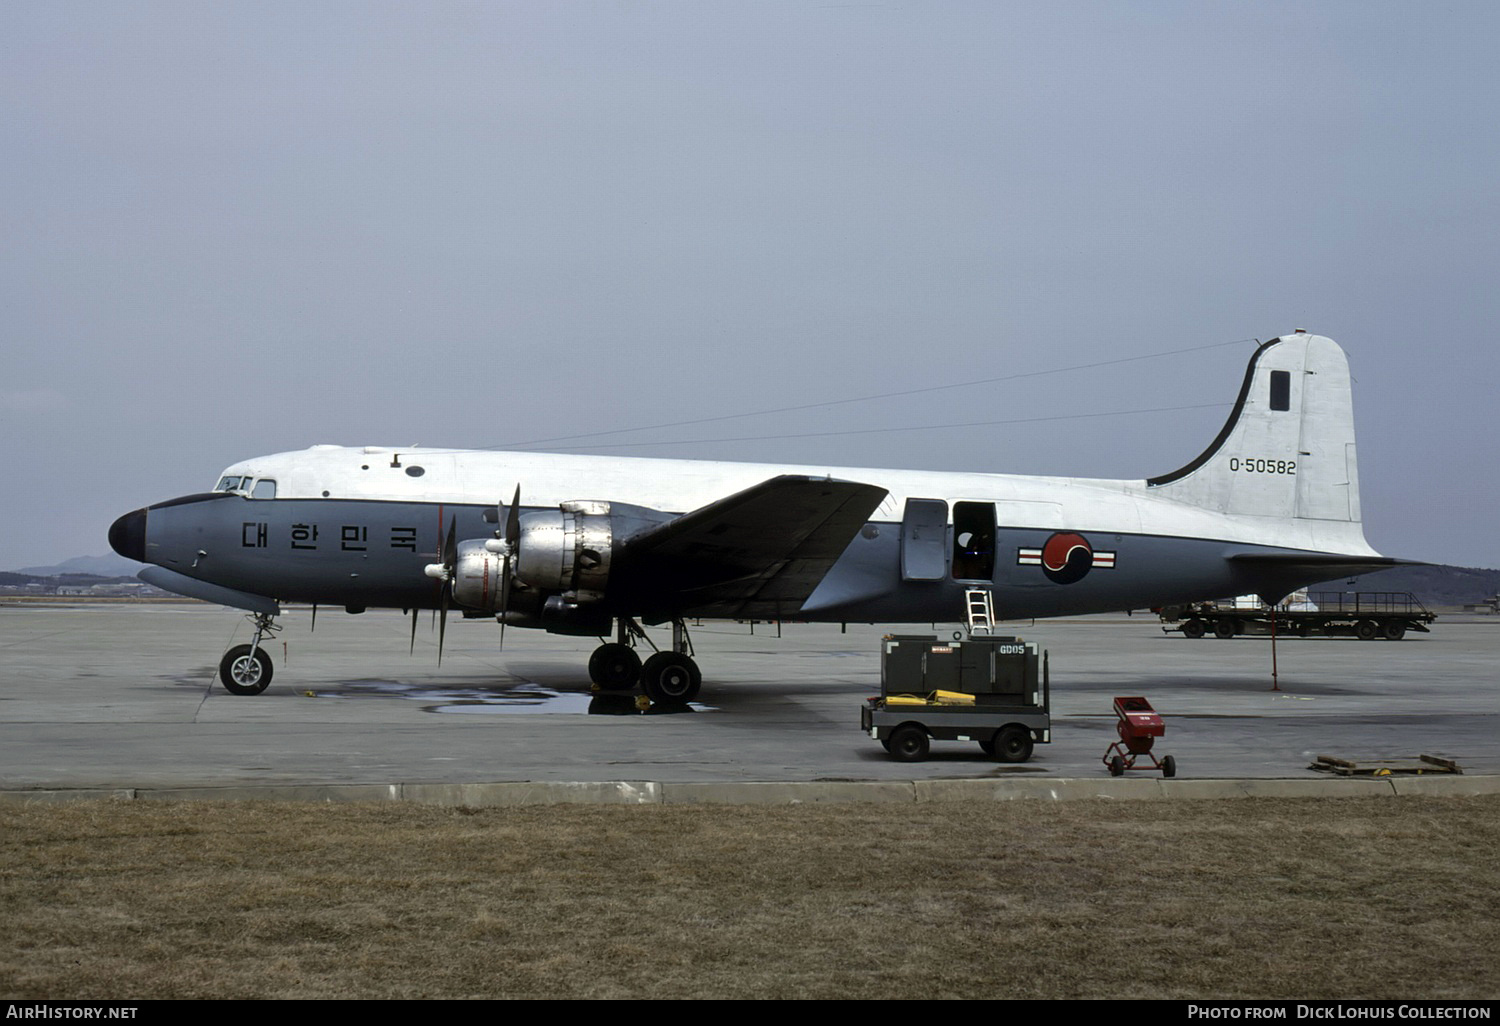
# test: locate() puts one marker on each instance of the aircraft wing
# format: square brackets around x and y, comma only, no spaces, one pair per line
[756,554]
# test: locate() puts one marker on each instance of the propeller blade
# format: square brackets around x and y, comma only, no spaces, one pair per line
[450,563]
[504,596]
[413,631]
[513,521]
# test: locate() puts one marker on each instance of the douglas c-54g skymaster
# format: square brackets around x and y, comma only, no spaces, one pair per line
[595,545]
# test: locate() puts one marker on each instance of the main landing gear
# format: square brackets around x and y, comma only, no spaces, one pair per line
[246,669]
[666,677]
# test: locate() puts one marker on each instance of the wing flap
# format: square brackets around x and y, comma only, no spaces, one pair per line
[765,548]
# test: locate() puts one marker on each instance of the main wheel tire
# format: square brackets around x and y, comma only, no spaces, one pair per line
[242,674]
[1366,630]
[1193,628]
[671,677]
[614,667]
[1168,766]
[1224,628]
[1394,631]
[909,743]
[1013,744]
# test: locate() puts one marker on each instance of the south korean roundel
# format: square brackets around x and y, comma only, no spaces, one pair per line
[1065,558]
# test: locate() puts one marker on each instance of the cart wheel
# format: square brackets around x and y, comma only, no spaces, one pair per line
[1116,766]
[909,743]
[1395,631]
[1224,628]
[1366,630]
[1168,766]
[1013,744]
[1193,628]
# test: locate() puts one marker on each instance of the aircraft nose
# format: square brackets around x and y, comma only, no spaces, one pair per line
[127,536]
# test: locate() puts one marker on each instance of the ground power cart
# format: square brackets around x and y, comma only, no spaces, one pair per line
[991,690]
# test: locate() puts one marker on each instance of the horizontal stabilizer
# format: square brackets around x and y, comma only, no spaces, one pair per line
[1335,563]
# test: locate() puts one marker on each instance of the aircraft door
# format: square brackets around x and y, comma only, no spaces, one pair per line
[924,540]
[974,541]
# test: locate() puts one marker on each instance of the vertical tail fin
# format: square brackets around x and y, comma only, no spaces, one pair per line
[1287,450]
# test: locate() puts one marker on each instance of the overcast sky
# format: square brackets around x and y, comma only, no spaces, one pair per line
[239,228]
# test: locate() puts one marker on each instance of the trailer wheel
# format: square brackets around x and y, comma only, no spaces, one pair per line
[1224,628]
[1193,628]
[1395,631]
[909,743]
[1116,766]
[1013,744]
[1168,766]
[1366,630]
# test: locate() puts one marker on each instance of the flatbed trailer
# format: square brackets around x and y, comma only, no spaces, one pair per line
[995,691]
[1367,615]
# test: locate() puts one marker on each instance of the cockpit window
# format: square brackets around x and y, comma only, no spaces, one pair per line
[228,484]
[265,488]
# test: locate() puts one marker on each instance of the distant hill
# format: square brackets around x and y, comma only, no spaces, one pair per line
[108,565]
[1435,585]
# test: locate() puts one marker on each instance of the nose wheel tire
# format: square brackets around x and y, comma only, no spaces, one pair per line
[245,671]
[670,677]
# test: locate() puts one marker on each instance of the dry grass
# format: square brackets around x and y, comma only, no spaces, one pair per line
[1371,898]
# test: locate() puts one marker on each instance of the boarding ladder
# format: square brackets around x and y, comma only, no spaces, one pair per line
[981,610]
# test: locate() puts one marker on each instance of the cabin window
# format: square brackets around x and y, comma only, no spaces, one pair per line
[1281,390]
[265,488]
[974,541]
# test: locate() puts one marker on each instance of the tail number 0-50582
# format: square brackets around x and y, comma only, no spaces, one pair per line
[1260,466]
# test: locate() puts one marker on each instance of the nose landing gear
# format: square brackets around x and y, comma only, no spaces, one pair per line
[246,669]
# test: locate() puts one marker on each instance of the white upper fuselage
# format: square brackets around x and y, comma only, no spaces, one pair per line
[477,477]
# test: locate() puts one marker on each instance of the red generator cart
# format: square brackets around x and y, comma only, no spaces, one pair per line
[1139,726]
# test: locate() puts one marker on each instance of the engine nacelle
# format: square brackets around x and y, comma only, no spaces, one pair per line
[563,553]
[567,551]
[477,576]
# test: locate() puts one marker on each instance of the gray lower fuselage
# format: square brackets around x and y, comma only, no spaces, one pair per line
[369,553]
